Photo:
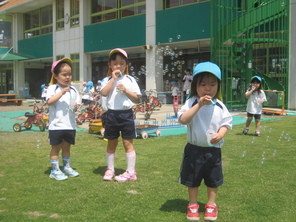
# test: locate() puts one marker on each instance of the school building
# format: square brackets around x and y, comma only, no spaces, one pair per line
[162,38]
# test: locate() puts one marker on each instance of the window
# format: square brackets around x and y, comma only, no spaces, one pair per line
[106,10]
[175,3]
[38,22]
[75,66]
[74,16]
[60,15]
[131,7]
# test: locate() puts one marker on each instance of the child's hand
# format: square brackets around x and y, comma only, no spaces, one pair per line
[116,74]
[205,100]
[120,87]
[66,89]
[216,138]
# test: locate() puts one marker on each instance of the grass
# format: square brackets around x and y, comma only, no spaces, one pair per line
[253,191]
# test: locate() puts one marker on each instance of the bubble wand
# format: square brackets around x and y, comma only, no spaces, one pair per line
[213,103]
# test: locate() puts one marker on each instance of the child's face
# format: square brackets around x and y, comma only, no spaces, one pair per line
[118,64]
[256,84]
[208,86]
[64,77]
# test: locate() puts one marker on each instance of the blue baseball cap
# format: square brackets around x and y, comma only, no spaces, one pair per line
[174,82]
[257,77]
[207,67]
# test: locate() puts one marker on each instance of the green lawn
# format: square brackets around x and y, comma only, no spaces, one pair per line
[259,179]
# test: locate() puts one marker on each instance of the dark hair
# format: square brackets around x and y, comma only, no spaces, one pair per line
[113,56]
[188,70]
[56,69]
[255,80]
[197,79]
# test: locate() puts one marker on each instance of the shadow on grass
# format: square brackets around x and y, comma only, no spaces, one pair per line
[179,205]
[102,169]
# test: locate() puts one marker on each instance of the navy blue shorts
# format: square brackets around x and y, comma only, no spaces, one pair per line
[119,121]
[56,137]
[256,116]
[201,163]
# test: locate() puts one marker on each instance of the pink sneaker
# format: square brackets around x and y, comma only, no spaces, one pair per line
[109,174]
[126,176]
[192,212]
[211,212]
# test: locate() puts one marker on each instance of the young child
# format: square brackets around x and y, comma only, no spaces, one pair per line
[175,90]
[187,79]
[87,93]
[203,111]
[62,100]
[43,92]
[122,91]
[256,97]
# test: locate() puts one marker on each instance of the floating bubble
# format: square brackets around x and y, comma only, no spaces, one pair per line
[263,160]
[274,153]
[178,36]
[170,39]
[244,153]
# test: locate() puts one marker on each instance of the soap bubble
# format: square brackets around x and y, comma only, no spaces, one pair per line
[178,36]
[170,39]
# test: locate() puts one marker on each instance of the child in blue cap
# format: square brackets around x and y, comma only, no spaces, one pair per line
[256,97]
[204,112]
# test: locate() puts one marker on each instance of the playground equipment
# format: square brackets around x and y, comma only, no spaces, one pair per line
[275,102]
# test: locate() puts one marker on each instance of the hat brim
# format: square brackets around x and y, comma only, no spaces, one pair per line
[118,50]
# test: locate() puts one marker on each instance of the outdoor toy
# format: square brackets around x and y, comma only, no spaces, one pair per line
[145,129]
[37,118]
[96,125]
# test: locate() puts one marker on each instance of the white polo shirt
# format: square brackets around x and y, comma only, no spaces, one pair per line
[61,117]
[208,117]
[117,100]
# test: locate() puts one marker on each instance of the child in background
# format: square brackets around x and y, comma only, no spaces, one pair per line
[202,156]
[43,92]
[256,97]
[187,79]
[175,90]
[62,100]
[87,93]
[122,92]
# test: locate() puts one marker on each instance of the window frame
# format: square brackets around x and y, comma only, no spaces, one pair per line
[118,11]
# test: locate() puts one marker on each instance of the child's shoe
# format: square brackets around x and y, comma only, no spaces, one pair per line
[211,212]
[257,133]
[109,174]
[126,176]
[58,175]
[246,130]
[192,212]
[70,172]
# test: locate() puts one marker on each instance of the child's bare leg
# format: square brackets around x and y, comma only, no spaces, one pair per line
[248,122]
[112,144]
[54,153]
[128,145]
[192,192]
[65,149]
[212,194]
[257,122]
